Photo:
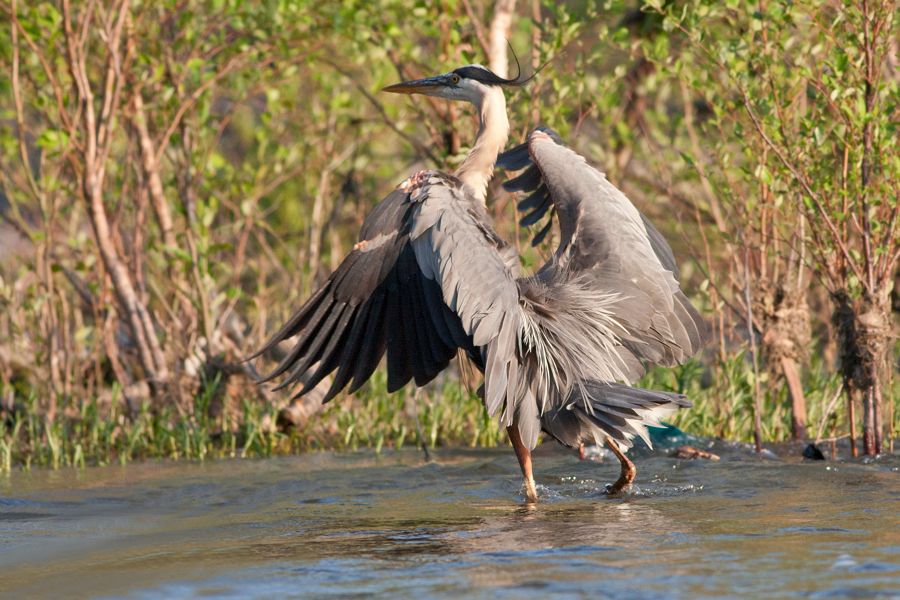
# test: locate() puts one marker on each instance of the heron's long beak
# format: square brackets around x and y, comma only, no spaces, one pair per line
[429,85]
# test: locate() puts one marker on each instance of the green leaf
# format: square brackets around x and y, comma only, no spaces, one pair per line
[53,140]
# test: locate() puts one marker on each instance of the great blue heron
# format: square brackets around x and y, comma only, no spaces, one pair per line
[558,349]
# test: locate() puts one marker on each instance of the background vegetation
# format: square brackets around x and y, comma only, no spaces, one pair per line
[178,175]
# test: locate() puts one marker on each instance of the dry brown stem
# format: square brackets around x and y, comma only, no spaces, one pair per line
[95,129]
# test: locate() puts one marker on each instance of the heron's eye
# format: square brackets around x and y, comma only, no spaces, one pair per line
[454,79]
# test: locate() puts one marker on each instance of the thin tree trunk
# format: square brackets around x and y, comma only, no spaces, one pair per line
[137,316]
[318,209]
[798,401]
[889,408]
[96,129]
[869,422]
[879,425]
[851,417]
[873,338]
[501,23]
[715,209]
[874,316]
[537,23]
[757,419]
[151,171]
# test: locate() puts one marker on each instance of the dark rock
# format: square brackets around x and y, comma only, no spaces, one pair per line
[813,453]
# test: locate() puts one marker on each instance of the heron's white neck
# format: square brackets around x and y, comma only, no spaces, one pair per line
[493,131]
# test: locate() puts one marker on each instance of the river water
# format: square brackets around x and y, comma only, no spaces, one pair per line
[357,524]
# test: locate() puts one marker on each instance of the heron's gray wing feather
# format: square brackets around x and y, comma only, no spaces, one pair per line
[604,237]
[660,247]
[456,246]
[519,158]
[377,301]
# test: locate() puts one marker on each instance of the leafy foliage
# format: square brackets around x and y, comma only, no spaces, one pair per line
[241,144]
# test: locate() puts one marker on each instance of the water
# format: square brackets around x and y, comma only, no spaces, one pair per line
[354,524]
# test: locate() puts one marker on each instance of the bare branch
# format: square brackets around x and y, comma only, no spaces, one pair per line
[163,141]
[479,29]
[823,213]
[92,186]
[20,110]
[419,147]
[151,171]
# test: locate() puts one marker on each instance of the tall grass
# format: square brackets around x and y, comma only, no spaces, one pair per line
[722,397]
[100,435]
[443,414]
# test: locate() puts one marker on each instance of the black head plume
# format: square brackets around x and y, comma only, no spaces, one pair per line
[486,76]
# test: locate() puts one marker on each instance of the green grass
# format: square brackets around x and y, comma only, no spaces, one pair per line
[724,407]
[95,435]
[448,414]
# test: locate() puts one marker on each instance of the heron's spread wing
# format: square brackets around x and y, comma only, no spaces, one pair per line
[604,238]
[428,276]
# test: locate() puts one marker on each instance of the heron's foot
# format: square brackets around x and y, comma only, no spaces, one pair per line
[623,483]
[530,491]
[627,473]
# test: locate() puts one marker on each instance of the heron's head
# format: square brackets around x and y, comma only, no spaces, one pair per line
[471,83]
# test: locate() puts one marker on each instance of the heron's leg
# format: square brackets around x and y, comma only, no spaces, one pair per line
[628,469]
[524,456]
